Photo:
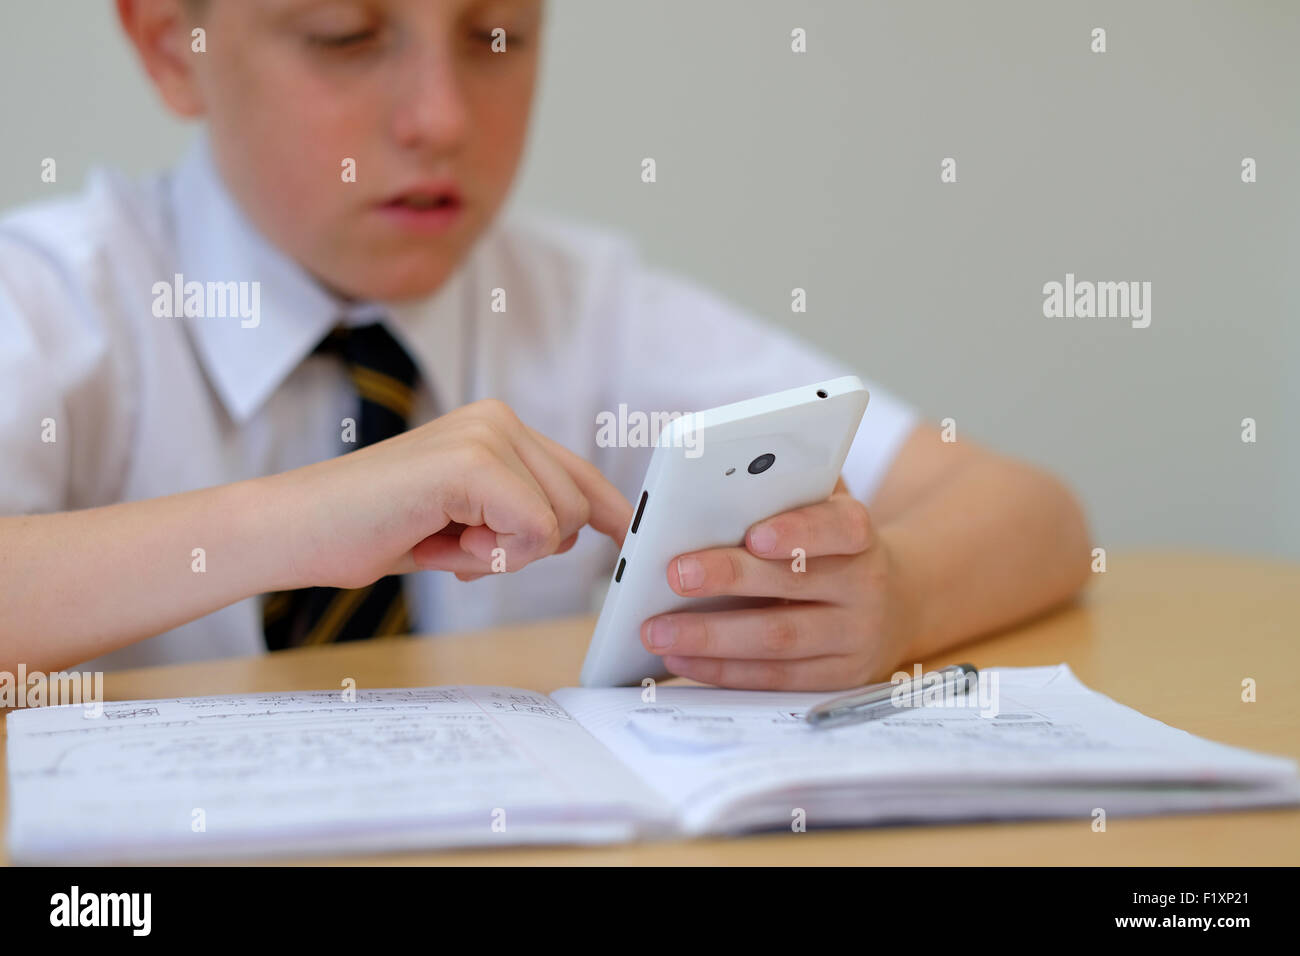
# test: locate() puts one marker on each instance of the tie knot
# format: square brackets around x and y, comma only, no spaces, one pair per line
[382,373]
[371,347]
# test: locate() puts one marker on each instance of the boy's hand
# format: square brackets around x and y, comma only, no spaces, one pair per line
[840,622]
[443,496]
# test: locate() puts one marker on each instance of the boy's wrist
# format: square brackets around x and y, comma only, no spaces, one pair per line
[266,513]
[910,593]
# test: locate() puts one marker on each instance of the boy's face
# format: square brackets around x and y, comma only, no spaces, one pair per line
[411,90]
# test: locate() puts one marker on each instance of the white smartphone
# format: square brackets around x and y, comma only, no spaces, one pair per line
[711,476]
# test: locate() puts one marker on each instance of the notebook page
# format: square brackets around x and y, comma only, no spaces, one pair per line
[311,772]
[728,759]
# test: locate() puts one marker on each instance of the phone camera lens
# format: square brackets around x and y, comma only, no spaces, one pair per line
[761,464]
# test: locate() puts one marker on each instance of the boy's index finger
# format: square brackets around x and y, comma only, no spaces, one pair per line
[611,513]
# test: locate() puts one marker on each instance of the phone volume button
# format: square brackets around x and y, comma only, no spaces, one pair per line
[640,509]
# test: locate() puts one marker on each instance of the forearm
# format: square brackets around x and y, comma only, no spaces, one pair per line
[993,543]
[78,584]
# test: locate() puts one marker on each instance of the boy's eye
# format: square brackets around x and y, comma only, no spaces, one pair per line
[338,41]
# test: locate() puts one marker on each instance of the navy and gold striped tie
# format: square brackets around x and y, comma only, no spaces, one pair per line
[384,377]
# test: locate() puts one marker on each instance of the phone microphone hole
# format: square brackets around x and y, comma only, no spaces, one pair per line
[821,393]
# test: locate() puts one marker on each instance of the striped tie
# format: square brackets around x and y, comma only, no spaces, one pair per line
[384,377]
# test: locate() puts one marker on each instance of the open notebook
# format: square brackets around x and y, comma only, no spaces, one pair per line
[310,772]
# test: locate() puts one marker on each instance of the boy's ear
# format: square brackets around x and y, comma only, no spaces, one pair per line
[160,30]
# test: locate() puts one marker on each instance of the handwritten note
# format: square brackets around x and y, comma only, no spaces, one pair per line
[311,771]
[730,760]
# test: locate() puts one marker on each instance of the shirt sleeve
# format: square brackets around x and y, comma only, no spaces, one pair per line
[681,348]
[61,434]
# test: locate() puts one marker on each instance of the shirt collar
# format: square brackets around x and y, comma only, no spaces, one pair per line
[216,243]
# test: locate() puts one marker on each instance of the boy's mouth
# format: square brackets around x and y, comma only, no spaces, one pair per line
[432,208]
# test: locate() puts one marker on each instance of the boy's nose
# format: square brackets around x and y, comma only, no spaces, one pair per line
[430,109]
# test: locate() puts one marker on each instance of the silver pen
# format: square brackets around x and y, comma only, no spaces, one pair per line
[881,700]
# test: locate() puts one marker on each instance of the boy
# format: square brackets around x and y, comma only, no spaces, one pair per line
[201,451]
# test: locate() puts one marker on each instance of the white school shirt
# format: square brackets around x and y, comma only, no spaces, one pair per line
[144,406]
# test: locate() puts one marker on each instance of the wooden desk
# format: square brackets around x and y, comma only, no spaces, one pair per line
[1172,635]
